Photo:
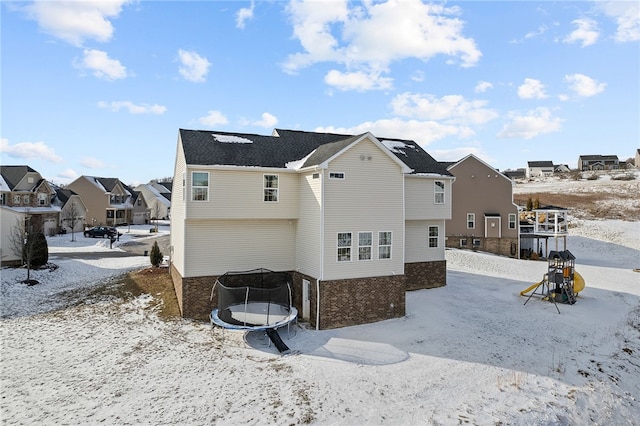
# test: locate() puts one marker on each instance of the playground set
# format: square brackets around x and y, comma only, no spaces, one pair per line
[561,283]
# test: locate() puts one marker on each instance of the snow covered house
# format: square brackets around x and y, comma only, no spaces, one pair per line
[25,200]
[355,219]
[158,198]
[109,202]
[484,218]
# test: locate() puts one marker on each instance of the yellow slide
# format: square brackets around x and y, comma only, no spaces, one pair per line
[578,284]
[523,292]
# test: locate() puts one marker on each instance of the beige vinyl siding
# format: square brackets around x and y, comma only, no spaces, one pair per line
[178,213]
[419,196]
[217,246]
[308,237]
[417,241]
[238,194]
[370,199]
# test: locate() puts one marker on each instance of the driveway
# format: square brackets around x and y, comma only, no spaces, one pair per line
[131,248]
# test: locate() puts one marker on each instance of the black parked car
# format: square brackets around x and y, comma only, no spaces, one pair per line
[102,232]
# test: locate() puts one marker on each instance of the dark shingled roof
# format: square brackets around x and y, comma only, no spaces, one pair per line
[13,174]
[205,147]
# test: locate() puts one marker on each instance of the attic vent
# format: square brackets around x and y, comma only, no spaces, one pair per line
[316,176]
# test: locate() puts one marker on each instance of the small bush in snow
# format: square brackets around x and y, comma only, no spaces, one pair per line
[156,255]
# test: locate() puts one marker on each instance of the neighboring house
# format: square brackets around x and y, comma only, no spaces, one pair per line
[515,174]
[356,220]
[73,212]
[25,200]
[140,212]
[637,159]
[484,215]
[158,198]
[539,169]
[598,162]
[108,201]
[561,168]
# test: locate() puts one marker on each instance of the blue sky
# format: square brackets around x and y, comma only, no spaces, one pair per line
[101,88]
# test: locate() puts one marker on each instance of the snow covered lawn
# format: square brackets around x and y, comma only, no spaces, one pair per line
[469,352]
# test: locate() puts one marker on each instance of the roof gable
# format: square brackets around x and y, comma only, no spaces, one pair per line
[13,175]
[482,163]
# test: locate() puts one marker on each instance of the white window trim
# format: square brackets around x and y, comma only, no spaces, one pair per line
[385,245]
[473,215]
[437,191]
[370,246]
[514,221]
[429,236]
[338,247]
[265,188]
[193,187]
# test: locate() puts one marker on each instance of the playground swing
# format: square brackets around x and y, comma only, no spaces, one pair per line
[561,283]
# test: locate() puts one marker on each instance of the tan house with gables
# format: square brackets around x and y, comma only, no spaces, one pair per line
[109,202]
[484,217]
[355,219]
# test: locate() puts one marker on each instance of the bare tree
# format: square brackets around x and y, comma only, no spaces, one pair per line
[156,213]
[21,245]
[71,218]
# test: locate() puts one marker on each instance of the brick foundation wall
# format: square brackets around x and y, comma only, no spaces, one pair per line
[194,295]
[499,246]
[361,301]
[421,275]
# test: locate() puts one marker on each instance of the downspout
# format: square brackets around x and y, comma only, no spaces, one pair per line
[321,250]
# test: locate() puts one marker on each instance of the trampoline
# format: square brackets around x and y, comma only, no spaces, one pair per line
[254,300]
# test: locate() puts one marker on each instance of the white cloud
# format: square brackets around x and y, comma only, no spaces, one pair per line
[76,21]
[29,151]
[213,118]
[99,63]
[359,81]
[268,120]
[626,15]
[587,32]
[584,86]
[423,132]
[92,163]
[530,125]
[244,14]
[193,66]
[483,86]
[531,89]
[116,106]
[367,37]
[450,109]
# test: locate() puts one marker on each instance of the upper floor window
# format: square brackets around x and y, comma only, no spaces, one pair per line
[200,186]
[16,199]
[471,220]
[344,246]
[433,236]
[438,192]
[270,188]
[25,199]
[384,245]
[42,199]
[512,221]
[364,245]
[336,175]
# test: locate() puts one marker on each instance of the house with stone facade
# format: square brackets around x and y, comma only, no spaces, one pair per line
[109,202]
[357,220]
[25,201]
[484,216]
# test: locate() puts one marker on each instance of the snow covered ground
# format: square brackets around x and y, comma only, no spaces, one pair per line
[469,352]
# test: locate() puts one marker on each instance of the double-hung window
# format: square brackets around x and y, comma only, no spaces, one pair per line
[512,221]
[471,220]
[270,188]
[433,236]
[364,245]
[200,186]
[384,245]
[344,246]
[42,199]
[438,192]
